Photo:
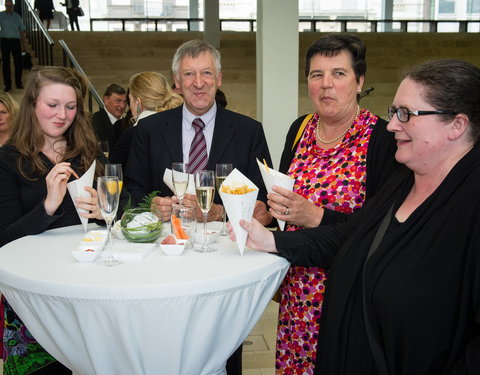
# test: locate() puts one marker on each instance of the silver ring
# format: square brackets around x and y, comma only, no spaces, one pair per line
[287,211]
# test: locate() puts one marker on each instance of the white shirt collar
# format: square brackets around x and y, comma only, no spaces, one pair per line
[112,118]
[143,114]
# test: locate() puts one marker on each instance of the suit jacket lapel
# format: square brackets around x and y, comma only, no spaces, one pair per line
[222,135]
[173,134]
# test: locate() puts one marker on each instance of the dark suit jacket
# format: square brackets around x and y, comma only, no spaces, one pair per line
[104,129]
[157,142]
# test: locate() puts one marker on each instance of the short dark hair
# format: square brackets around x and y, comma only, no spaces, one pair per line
[451,85]
[332,44]
[221,98]
[114,89]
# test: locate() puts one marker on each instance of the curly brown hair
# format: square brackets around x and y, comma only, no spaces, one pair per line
[27,136]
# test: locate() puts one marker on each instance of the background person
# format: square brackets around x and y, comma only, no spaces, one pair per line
[8,112]
[115,102]
[45,11]
[51,143]
[343,154]
[12,42]
[404,272]
[149,93]
[72,12]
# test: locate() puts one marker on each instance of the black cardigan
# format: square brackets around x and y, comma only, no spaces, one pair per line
[21,200]
[422,284]
[381,163]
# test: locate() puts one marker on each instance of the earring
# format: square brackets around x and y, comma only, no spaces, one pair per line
[359,91]
[139,109]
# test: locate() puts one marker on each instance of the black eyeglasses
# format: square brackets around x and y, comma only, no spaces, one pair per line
[403,113]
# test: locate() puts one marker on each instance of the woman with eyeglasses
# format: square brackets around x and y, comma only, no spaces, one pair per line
[403,295]
[338,157]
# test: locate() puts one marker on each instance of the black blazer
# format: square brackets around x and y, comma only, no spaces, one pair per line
[157,142]
[104,129]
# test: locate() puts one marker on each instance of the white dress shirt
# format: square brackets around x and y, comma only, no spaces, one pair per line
[188,131]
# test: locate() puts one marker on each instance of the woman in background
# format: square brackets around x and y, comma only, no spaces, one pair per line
[51,143]
[8,112]
[45,11]
[338,158]
[149,93]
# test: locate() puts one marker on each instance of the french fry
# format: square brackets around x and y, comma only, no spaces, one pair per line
[266,165]
[236,190]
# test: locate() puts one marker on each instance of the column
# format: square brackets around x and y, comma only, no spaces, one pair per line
[211,24]
[193,13]
[277,70]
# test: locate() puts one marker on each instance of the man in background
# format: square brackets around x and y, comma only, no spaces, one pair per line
[115,102]
[12,42]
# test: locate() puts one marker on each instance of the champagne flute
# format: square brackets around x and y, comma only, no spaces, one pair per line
[221,173]
[115,170]
[103,145]
[205,190]
[180,179]
[108,194]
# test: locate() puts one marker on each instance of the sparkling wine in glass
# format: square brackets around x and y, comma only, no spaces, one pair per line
[205,191]
[115,170]
[180,179]
[221,173]
[108,193]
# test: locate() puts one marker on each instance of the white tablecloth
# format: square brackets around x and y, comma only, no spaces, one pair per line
[163,315]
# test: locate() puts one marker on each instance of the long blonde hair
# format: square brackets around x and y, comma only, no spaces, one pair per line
[154,92]
[27,136]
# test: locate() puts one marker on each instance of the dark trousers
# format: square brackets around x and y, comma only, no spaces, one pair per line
[11,46]
[73,18]
[234,363]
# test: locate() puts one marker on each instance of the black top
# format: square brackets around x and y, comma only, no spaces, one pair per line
[381,163]
[21,200]
[422,284]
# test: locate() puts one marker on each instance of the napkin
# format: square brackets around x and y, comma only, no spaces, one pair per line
[239,206]
[131,252]
[272,177]
[167,178]
[77,189]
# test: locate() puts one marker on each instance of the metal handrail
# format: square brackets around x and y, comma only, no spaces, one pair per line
[70,60]
[38,36]
[344,22]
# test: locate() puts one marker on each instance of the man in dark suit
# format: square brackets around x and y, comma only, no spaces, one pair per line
[166,137]
[115,102]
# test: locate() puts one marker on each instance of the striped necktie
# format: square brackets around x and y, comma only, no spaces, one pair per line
[198,150]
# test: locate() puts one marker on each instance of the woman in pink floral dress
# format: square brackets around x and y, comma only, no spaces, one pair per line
[337,156]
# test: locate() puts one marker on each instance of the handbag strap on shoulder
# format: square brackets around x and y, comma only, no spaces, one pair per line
[301,129]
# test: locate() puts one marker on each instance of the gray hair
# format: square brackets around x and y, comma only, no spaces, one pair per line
[194,48]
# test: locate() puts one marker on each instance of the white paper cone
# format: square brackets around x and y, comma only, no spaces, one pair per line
[167,178]
[77,189]
[272,177]
[239,206]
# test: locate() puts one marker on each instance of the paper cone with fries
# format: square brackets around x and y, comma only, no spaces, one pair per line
[239,196]
[272,177]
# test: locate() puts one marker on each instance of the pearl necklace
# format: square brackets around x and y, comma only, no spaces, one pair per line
[341,135]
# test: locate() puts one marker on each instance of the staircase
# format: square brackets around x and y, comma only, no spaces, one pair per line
[108,57]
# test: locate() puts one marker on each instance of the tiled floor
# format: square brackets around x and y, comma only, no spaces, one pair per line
[259,347]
